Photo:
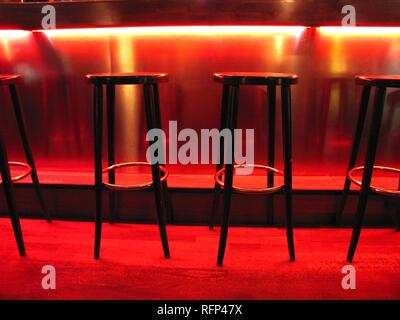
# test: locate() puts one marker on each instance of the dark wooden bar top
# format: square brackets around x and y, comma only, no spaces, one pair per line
[78,14]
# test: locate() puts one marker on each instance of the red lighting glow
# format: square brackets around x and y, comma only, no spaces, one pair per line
[207,30]
[179,30]
[12,34]
[360,31]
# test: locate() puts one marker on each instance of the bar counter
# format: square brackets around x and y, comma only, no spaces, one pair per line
[80,14]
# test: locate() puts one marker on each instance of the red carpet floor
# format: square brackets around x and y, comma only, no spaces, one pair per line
[256,264]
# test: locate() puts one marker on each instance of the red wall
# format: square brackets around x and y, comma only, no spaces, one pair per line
[58,101]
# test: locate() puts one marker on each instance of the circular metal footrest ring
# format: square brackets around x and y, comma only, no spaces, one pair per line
[219,174]
[22,175]
[163,170]
[383,191]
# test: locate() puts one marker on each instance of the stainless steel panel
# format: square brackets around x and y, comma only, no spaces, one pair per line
[58,100]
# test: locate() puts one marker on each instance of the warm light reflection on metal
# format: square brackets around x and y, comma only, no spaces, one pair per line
[9,35]
[128,97]
[334,103]
[7,50]
[178,30]
[58,100]
[360,31]
[279,46]
[338,64]
[13,34]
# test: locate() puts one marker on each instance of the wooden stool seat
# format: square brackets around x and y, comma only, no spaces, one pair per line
[255,78]
[7,79]
[388,81]
[128,78]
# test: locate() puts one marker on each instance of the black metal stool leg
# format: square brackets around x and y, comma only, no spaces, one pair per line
[98,132]
[27,149]
[165,191]
[228,181]
[155,168]
[354,150]
[271,150]
[287,154]
[223,124]
[8,190]
[111,149]
[398,211]
[368,169]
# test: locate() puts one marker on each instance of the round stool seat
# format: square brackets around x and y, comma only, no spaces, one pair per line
[255,78]
[6,79]
[127,78]
[391,81]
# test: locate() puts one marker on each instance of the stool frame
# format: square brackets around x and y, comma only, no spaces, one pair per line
[7,179]
[372,143]
[229,109]
[153,120]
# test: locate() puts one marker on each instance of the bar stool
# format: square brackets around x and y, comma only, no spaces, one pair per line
[30,169]
[380,82]
[231,82]
[159,173]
